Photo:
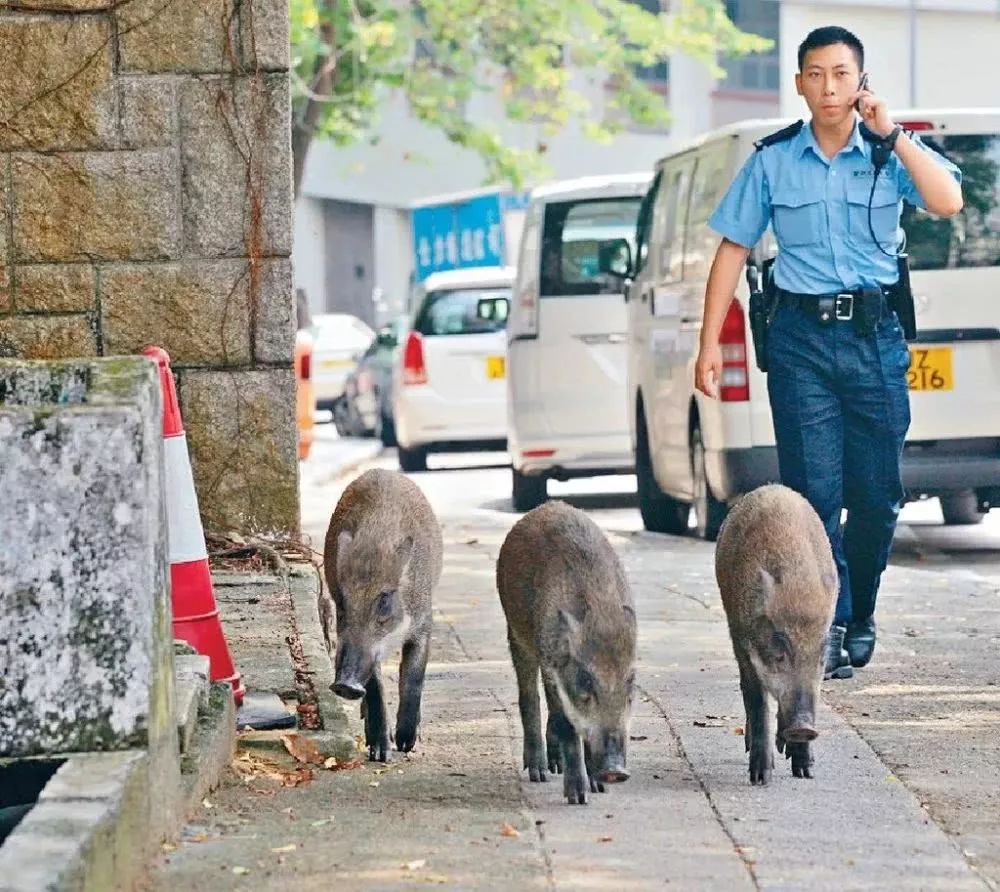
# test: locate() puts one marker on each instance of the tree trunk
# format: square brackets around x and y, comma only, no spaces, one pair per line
[322,83]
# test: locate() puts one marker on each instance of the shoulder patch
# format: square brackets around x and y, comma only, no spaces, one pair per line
[783,135]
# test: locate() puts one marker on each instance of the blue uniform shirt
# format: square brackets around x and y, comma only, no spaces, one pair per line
[819,211]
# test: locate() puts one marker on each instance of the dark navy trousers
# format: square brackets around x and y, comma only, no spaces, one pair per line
[841,410]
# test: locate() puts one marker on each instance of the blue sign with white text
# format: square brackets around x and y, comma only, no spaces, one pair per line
[458,235]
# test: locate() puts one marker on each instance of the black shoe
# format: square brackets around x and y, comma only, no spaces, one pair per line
[860,641]
[838,663]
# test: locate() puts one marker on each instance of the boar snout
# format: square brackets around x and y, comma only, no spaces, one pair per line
[354,669]
[800,726]
[611,761]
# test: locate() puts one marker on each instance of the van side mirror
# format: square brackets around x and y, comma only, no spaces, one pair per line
[386,338]
[614,257]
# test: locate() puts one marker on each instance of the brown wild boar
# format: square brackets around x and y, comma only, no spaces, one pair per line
[570,614]
[382,559]
[778,581]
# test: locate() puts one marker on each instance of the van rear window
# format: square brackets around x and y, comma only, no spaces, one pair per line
[972,237]
[572,236]
[464,311]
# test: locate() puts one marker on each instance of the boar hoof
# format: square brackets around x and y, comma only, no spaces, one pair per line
[378,752]
[596,786]
[406,738]
[802,759]
[761,765]
[575,789]
[555,761]
[536,775]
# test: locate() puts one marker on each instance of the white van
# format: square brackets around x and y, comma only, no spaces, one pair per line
[693,451]
[566,335]
[449,392]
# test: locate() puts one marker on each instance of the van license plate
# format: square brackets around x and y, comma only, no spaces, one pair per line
[930,369]
[496,367]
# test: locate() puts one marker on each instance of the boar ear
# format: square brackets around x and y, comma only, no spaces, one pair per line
[344,539]
[405,550]
[569,634]
[765,585]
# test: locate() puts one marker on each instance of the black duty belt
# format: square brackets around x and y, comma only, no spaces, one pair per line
[843,306]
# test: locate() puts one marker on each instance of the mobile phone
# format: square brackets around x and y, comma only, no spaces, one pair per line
[862,85]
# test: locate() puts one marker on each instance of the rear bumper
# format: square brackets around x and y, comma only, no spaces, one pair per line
[423,418]
[575,457]
[928,468]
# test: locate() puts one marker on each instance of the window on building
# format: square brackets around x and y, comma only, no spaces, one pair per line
[658,74]
[758,71]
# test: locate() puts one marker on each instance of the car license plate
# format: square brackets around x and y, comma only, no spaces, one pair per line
[335,363]
[930,369]
[496,367]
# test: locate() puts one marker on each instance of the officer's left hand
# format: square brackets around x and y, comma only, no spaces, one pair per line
[874,112]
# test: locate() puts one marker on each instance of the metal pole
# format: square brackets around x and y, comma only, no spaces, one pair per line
[913,53]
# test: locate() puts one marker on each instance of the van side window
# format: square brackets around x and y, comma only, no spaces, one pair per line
[644,225]
[573,236]
[527,263]
[669,218]
[710,181]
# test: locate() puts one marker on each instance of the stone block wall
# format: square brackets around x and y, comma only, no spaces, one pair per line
[145,198]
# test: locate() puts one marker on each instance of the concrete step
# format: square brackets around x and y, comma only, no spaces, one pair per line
[186,698]
[197,669]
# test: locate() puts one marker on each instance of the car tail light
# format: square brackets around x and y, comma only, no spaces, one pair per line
[414,370]
[915,126]
[305,366]
[538,453]
[735,384]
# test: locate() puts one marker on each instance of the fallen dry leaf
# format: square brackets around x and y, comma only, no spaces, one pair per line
[415,865]
[508,831]
[302,749]
[322,822]
[169,847]
[199,837]
[241,871]
[330,764]
[207,804]
[281,850]
[605,839]
[739,732]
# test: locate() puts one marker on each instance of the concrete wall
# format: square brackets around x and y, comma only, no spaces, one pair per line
[957,63]
[145,197]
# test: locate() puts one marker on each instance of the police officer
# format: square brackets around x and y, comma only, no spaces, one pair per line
[838,392]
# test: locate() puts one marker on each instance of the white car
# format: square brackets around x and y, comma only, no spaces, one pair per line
[340,339]
[693,451]
[449,384]
[566,336]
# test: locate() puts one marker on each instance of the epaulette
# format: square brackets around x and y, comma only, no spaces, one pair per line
[783,135]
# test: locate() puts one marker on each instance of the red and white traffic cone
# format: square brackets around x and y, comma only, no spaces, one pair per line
[196,617]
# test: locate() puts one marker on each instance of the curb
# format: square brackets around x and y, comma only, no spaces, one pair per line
[336,739]
[212,747]
[88,830]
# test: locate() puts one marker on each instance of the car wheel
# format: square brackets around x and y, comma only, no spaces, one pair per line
[660,513]
[412,460]
[709,512]
[527,492]
[385,429]
[961,509]
[341,418]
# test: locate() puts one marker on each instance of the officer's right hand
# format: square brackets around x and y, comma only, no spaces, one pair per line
[708,370]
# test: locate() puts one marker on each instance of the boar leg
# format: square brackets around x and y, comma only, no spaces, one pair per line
[575,781]
[376,725]
[592,770]
[552,745]
[802,759]
[758,726]
[526,668]
[412,668]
